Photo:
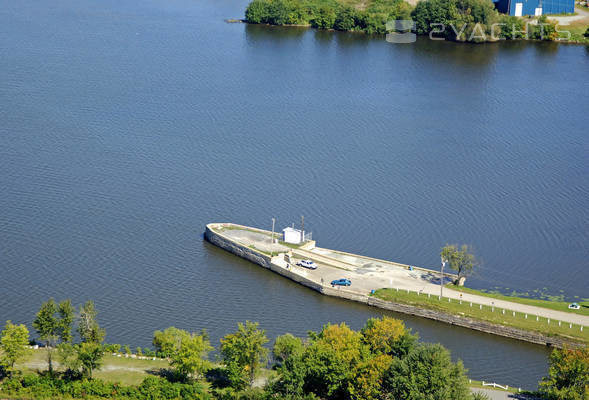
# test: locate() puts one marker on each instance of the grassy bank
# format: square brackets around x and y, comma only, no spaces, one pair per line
[485,313]
[128,371]
[550,304]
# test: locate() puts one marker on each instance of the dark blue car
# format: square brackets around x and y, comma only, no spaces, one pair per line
[341,282]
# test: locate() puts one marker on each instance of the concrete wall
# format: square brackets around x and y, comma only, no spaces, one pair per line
[265,261]
[224,242]
[220,240]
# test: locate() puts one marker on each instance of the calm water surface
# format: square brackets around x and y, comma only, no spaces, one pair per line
[125,127]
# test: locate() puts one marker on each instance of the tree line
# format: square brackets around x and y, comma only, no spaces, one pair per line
[458,20]
[381,361]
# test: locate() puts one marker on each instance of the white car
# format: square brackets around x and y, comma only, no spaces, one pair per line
[307,264]
[574,306]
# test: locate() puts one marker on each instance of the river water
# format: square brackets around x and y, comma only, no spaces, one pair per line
[127,126]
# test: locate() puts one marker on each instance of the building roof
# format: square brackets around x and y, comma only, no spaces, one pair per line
[289,229]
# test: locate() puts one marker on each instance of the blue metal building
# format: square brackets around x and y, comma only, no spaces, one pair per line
[535,7]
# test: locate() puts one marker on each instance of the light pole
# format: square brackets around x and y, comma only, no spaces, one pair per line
[273,221]
[442,278]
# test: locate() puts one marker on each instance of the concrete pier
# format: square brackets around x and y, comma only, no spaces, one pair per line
[369,274]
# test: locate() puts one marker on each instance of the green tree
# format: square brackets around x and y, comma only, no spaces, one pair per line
[568,375]
[54,323]
[427,373]
[324,18]
[243,353]
[331,359]
[287,346]
[90,356]
[463,20]
[90,351]
[166,343]
[88,327]
[345,19]
[257,12]
[367,382]
[460,259]
[190,358]
[287,353]
[68,357]
[14,342]
[544,29]
[388,336]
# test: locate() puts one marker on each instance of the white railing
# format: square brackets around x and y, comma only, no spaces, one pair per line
[496,385]
[492,308]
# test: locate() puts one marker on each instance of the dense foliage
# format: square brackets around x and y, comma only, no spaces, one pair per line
[459,20]
[568,375]
[152,388]
[371,17]
[382,361]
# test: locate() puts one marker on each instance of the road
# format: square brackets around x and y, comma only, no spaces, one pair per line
[503,395]
[377,274]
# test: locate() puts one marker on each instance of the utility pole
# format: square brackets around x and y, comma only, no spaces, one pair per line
[302,228]
[442,279]
[273,221]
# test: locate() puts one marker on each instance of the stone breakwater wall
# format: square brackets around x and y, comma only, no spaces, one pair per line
[275,264]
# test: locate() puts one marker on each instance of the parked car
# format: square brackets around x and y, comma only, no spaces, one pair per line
[341,282]
[307,264]
[574,306]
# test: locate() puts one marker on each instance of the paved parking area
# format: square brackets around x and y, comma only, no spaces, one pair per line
[260,241]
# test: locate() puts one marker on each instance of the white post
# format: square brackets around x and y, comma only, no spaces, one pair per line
[471,304]
[558,323]
[480,306]
[526,317]
[548,320]
[514,313]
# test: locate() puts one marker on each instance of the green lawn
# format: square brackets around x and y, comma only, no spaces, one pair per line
[553,305]
[128,371]
[485,314]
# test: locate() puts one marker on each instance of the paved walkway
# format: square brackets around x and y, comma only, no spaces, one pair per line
[566,20]
[503,395]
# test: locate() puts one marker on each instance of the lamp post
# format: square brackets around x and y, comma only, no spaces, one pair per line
[442,278]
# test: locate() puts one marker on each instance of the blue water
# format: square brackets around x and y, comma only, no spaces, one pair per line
[126,127]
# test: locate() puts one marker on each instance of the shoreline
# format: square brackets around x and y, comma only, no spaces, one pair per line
[276,263]
[309,26]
